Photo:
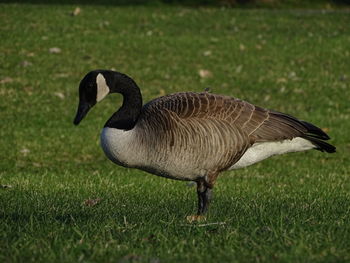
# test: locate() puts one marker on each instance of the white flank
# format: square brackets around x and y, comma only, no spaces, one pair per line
[260,151]
[102,88]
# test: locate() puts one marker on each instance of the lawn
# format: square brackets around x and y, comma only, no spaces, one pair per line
[61,200]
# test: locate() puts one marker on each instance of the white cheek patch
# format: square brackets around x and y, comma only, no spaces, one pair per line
[102,88]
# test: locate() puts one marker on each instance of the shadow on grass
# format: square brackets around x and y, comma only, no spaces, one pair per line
[71,211]
[68,210]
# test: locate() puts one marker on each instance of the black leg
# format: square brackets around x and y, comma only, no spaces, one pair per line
[204,196]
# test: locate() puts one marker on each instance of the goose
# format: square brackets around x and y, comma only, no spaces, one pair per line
[192,136]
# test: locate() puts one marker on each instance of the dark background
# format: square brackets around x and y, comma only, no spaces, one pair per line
[229,3]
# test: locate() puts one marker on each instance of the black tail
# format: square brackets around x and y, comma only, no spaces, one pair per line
[314,131]
[317,137]
[307,131]
[321,145]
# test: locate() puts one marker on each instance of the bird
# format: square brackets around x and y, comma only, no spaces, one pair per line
[192,136]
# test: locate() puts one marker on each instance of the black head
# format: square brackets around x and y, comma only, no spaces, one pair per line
[92,89]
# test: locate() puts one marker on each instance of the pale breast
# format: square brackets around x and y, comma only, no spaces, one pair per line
[138,149]
[118,145]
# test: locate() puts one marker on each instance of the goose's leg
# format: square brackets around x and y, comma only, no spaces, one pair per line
[204,193]
[204,196]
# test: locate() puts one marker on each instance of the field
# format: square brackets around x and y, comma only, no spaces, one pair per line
[61,200]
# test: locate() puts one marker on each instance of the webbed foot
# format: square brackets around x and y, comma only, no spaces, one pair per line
[196,218]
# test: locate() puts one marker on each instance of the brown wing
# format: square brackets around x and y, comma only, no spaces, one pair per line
[258,123]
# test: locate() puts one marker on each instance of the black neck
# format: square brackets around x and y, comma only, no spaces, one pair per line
[126,117]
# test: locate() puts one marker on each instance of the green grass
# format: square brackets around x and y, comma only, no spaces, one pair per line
[292,208]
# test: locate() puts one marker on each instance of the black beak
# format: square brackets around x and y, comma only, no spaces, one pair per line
[83,109]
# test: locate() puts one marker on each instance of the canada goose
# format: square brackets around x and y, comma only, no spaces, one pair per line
[192,136]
